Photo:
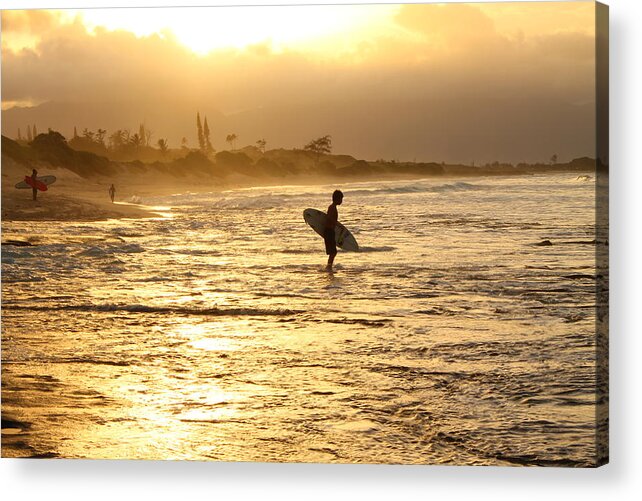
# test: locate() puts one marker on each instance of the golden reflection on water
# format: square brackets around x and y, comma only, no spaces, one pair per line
[210,336]
[216,334]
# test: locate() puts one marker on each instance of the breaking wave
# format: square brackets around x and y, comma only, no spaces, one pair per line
[274,200]
[417,188]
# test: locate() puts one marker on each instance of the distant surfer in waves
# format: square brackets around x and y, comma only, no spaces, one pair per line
[328,233]
[112,193]
[34,177]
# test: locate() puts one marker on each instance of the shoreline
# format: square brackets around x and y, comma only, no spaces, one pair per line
[64,207]
[64,203]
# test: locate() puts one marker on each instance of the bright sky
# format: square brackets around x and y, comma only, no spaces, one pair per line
[203,29]
[315,28]
[362,72]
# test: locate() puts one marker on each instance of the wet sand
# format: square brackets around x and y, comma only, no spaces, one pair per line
[66,208]
[70,198]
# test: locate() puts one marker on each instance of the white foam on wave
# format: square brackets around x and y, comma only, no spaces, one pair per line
[358,426]
[251,200]
[127,232]
[416,188]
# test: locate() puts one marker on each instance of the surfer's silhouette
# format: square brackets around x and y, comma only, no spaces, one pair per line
[112,193]
[328,233]
[34,176]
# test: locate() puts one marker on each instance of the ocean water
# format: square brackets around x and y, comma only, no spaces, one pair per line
[212,332]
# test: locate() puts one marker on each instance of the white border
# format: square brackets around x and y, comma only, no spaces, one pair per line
[622,478]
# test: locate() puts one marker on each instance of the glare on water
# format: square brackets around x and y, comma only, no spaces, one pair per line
[452,337]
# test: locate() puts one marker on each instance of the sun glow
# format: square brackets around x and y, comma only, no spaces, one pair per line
[204,29]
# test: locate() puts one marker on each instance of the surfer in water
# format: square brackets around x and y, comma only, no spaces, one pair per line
[34,177]
[112,193]
[328,233]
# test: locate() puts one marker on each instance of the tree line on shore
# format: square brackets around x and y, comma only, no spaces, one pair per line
[93,153]
[97,153]
[126,145]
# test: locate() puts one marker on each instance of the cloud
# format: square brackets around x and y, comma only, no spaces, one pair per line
[454,25]
[403,81]
[28,21]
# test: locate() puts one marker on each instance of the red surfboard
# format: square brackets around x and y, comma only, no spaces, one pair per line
[35,184]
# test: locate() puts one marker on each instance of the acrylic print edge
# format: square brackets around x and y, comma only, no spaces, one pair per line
[602,233]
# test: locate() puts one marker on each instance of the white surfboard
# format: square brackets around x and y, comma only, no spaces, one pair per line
[316,219]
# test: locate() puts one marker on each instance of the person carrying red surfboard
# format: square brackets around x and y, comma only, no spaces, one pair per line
[34,179]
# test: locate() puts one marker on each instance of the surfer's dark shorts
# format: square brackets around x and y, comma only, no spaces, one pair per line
[330,243]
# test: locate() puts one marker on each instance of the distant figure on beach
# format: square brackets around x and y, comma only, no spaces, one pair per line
[112,193]
[34,176]
[328,233]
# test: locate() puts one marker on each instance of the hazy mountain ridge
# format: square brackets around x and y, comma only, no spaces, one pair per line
[403,129]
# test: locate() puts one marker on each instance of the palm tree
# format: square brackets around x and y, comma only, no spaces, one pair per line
[141,134]
[87,134]
[206,138]
[199,130]
[117,139]
[100,136]
[319,146]
[231,138]
[136,140]
[162,145]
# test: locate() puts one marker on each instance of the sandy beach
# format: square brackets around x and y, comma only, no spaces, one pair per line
[61,207]
[70,198]
[74,198]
